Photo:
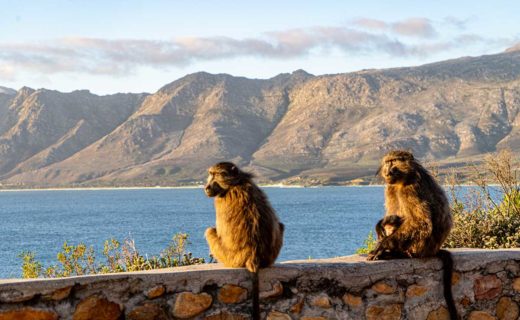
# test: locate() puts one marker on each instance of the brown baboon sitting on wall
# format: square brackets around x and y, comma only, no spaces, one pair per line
[417,219]
[247,232]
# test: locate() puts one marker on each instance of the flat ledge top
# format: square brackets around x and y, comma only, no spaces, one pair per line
[465,259]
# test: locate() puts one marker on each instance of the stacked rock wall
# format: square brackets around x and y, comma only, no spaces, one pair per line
[486,285]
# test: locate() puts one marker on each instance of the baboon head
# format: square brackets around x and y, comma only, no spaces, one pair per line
[392,223]
[397,166]
[223,176]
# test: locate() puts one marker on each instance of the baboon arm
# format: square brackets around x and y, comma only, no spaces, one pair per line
[397,243]
[379,230]
[407,236]
[217,249]
[391,201]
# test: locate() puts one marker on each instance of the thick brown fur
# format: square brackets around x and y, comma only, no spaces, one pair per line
[247,232]
[413,195]
[424,216]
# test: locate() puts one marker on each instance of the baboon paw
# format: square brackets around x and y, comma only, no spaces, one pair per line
[211,231]
[374,255]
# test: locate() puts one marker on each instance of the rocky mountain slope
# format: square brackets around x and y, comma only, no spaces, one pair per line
[293,127]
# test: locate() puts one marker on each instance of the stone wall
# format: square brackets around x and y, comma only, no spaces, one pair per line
[486,285]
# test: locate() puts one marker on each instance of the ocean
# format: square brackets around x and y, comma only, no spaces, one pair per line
[320,222]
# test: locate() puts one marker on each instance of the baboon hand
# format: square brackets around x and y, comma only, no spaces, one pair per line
[375,254]
[372,255]
[210,232]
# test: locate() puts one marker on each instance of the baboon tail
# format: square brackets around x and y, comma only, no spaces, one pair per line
[256,296]
[447,266]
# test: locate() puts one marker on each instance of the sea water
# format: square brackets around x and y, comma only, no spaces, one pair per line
[319,222]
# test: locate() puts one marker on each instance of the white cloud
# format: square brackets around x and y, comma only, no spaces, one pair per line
[121,57]
[416,27]
[412,27]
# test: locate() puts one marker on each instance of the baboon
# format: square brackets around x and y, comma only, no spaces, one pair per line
[247,231]
[418,215]
[384,228]
[388,225]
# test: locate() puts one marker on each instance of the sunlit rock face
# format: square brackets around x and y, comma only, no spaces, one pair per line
[331,128]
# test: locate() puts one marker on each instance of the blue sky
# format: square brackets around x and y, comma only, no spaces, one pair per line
[135,46]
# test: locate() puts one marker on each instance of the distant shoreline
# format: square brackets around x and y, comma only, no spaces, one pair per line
[284,186]
[178,187]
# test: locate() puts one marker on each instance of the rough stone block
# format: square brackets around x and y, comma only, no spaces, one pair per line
[487,287]
[388,312]
[455,278]
[97,308]
[352,301]
[227,316]
[58,294]
[480,315]
[507,309]
[188,304]
[439,314]
[297,307]
[276,290]
[155,292]
[276,315]
[148,311]
[321,301]
[28,314]
[230,293]
[516,284]
[416,291]
[384,287]
[15,296]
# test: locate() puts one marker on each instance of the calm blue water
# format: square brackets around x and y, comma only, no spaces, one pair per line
[320,222]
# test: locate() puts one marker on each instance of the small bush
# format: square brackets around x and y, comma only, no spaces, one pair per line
[30,267]
[369,244]
[489,216]
[77,260]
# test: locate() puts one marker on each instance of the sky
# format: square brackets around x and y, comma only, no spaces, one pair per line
[139,46]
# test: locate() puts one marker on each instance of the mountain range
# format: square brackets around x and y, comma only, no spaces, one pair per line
[292,128]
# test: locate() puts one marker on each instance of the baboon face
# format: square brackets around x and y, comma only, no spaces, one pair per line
[220,178]
[396,166]
[389,229]
[391,224]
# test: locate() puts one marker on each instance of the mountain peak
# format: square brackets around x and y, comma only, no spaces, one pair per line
[292,127]
[301,72]
[26,91]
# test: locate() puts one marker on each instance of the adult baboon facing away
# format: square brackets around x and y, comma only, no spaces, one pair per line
[247,232]
[418,214]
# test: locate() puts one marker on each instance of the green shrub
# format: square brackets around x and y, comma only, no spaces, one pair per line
[369,244]
[489,216]
[80,260]
[31,268]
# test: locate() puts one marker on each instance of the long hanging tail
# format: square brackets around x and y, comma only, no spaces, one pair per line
[256,296]
[447,266]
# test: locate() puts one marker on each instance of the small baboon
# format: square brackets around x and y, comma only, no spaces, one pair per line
[384,228]
[247,231]
[388,225]
[418,216]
